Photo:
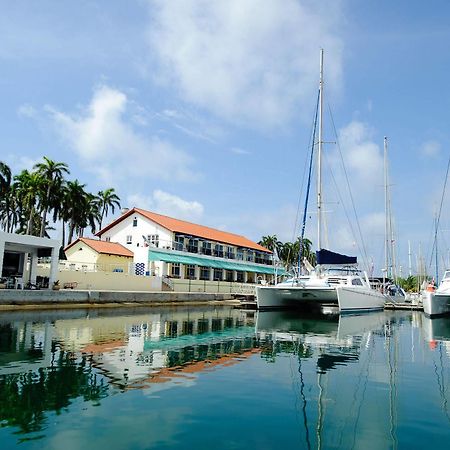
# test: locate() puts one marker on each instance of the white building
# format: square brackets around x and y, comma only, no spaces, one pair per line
[165,246]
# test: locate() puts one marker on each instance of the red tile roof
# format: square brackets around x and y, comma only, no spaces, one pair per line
[108,248]
[188,228]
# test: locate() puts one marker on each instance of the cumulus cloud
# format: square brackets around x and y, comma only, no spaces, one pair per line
[247,61]
[105,139]
[430,148]
[168,204]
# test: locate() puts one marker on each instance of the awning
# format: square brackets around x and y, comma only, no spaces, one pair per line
[171,257]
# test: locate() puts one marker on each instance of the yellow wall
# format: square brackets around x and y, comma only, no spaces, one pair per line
[81,253]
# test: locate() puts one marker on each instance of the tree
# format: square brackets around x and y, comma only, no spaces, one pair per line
[107,199]
[28,187]
[5,196]
[52,175]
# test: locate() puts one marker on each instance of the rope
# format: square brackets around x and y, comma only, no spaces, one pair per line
[308,187]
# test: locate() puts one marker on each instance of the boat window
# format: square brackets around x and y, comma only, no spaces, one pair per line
[447,274]
[356,282]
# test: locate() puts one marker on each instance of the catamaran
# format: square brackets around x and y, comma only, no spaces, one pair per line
[335,280]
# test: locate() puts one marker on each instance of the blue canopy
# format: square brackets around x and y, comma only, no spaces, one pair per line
[327,257]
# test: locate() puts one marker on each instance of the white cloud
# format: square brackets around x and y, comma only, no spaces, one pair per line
[239,151]
[26,111]
[362,158]
[247,61]
[18,163]
[104,138]
[430,148]
[168,204]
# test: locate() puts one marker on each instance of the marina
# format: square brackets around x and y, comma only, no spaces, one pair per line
[101,378]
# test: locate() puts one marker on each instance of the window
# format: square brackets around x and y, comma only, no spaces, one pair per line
[190,272]
[135,222]
[129,239]
[108,239]
[153,240]
[175,270]
[193,245]
[218,250]
[240,277]
[217,275]
[356,282]
[229,275]
[230,253]
[206,248]
[240,254]
[204,273]
[179,243]
[250,255]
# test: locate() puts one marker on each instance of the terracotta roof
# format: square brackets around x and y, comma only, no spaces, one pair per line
[109,248]
[188,228]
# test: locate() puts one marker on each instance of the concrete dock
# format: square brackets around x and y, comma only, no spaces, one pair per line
[66,298]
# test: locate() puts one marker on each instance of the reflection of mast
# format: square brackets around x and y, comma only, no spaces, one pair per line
[302,393]
[441,384]
[392,392]
[320,414]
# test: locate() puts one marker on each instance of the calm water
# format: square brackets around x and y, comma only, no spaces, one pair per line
[223,379]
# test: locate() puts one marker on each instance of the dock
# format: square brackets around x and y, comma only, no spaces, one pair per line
[403,306]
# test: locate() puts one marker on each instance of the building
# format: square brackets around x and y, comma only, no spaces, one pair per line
[17,249]
[95,255]
[168,247]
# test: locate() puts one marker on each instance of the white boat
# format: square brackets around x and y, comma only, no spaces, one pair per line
[436,303]
[311,291]
[359,299]
[332,270]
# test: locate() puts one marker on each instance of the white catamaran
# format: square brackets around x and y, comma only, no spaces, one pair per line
[335,280]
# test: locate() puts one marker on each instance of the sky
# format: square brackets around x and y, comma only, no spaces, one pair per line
[203,110]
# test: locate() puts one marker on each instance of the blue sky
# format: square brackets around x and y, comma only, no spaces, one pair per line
[202,109]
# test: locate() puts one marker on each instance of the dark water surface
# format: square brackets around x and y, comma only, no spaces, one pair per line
[222,378]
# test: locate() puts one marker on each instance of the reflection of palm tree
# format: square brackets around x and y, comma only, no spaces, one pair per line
[25,397]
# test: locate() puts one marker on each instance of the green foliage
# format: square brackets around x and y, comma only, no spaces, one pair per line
[30,197]
[288,252]
[410,284]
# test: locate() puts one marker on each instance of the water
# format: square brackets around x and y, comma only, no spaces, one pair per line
[224,379]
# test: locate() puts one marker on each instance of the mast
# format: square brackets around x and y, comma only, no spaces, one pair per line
[319,157]
[409,259]
[386,213]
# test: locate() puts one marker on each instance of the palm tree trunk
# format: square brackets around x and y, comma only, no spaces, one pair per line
[44,214]
[30,221]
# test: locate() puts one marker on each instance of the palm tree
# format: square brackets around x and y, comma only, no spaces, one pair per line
[74,200]
[107,199]
[28,187]
[5,196]
[52,174]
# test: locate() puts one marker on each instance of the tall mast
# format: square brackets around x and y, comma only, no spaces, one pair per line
[386,213]
[319,158]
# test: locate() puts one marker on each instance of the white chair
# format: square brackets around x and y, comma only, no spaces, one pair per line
[18,283]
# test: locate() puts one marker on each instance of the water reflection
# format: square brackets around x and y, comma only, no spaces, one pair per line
[344,371]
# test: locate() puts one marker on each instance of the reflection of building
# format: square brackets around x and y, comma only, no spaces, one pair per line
[166,246]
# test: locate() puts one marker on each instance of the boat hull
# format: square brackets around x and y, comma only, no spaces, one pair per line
[277,297]
[355,299]
[436,304]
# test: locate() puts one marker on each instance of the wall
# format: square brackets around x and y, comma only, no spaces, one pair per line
[81,253]
[119,232]
[105,280]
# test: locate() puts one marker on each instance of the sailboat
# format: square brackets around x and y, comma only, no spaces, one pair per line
[335,280]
